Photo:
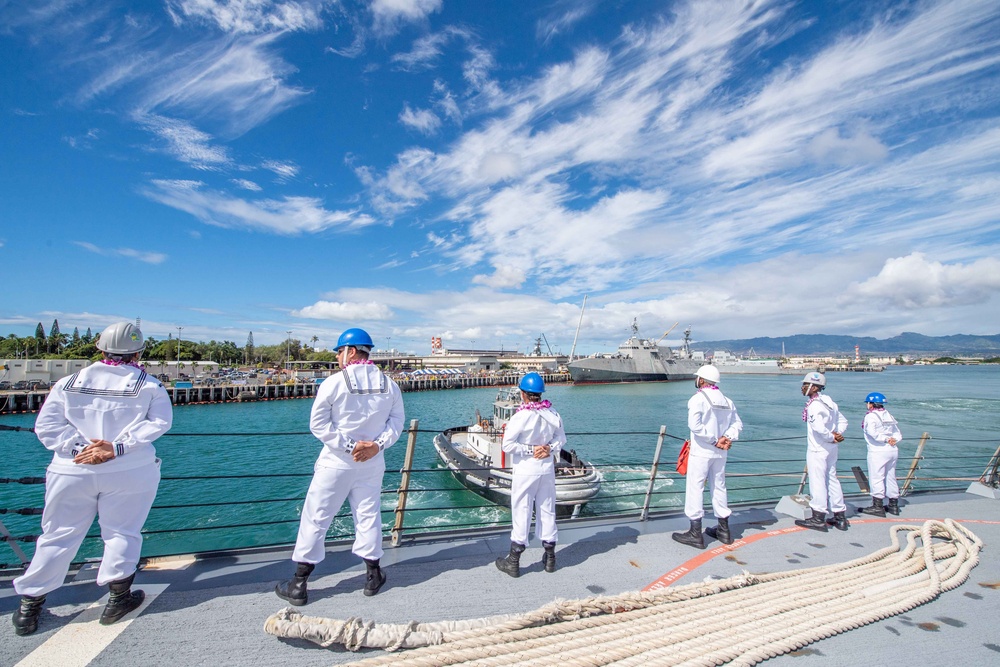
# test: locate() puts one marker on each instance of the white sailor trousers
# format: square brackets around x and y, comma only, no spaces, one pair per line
[699,470]
[121,502]
[329,488]
[538,492]
[824,487]
[882,472]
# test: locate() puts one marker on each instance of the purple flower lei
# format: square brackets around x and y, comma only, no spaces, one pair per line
[361,362]
[535,406]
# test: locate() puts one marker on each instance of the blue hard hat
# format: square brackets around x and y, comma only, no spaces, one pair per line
[532,383]
[354,338]
[875,397]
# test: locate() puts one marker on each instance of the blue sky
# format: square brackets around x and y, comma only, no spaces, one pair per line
[471,170]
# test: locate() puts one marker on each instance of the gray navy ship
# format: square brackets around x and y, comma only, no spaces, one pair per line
[637,360]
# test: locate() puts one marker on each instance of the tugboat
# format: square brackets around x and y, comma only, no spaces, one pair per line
[637,360]
[473,455]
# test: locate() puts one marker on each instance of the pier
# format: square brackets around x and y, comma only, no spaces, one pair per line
[17,402]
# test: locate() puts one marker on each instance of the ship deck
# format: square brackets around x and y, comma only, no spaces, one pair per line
[211,610]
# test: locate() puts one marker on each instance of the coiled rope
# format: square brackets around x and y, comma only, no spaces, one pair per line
[741,620]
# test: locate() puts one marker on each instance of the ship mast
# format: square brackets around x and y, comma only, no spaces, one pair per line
[577,335]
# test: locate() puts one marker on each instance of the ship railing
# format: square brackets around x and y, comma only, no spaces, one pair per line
[419,502]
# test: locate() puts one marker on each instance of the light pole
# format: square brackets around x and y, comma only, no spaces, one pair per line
[179,329]
[288,348]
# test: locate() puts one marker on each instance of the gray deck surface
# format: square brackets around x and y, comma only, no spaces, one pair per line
[212,611]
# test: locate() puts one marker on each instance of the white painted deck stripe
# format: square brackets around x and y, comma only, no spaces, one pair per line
[84,637]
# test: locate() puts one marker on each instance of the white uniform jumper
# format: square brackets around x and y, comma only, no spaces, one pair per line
[358,403]
[823,417]
[534,480]
[879,426]
[128,408]
[710,416]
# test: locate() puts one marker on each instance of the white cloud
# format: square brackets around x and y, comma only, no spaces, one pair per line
[185,142]
[915,282]
[422,120]
[289,215]
[389,15]
[250,16]
[345,311]
[284,170]
[246,184]
[141,255]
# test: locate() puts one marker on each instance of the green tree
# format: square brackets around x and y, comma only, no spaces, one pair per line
[53,343]
[39,338]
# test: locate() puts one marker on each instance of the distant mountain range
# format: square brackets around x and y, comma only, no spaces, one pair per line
[906,343]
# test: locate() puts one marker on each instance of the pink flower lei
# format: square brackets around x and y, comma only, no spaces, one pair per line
[805,410]
[361,362]
[116,362]
[541,405]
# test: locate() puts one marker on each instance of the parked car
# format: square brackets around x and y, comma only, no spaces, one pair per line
[35,385]
[4,385]
[20,385]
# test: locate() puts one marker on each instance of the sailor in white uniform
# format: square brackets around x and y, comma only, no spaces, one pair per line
[882,437]
[100,424]
[825,426]
[357,414]
[533,438]
[714,425]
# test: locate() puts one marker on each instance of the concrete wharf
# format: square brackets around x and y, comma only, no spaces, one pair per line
[16,402]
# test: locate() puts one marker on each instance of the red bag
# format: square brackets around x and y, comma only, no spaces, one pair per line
[682,458]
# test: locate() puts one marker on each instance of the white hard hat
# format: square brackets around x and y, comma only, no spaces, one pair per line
[121,338]
[709,373]
[815,378]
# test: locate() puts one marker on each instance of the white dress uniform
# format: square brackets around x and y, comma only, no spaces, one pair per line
[823,417]
[358,403]
[534,480]
[710,416]
[879,426]
[130,409]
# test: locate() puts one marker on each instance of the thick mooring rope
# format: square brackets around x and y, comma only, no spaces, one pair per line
[742,620]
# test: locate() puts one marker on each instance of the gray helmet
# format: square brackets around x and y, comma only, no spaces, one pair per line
[121,338]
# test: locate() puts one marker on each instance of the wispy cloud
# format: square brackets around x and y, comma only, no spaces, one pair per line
[287,216]
[140,255]
[250,16]
[185,142]
[345,311]
[246,184]
[389,15]
[285,170]
[422,120]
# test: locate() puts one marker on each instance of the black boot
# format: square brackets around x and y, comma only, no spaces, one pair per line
[122,600]
[511,563]
[876,509]
[294,590]
[721,532]
[816,521]
[693,537]
[839,521]
[375,577]
[549,557]
[26,615]
[893,507]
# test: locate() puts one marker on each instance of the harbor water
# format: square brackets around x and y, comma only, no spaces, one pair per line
[235,474]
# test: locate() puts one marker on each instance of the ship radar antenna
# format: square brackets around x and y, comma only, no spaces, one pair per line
[635,326]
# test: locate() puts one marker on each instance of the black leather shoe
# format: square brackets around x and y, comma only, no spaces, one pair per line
[25,617]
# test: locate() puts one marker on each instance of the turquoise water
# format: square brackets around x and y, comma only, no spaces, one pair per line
[615,427]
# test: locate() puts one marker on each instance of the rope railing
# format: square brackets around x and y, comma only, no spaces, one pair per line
[614,500]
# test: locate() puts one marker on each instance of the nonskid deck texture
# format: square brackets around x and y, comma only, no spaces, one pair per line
[211,612]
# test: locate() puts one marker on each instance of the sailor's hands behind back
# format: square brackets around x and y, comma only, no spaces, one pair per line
[97,452]
[365,450]
[542,451]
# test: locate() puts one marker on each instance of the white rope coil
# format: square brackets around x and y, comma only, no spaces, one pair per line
[741,620]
